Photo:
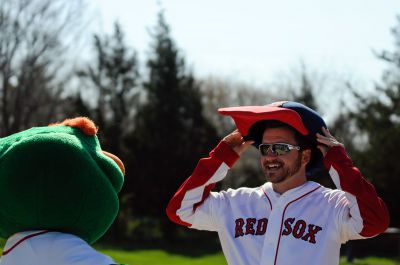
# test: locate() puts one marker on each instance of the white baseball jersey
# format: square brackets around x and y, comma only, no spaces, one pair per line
[305,225]
[50,248]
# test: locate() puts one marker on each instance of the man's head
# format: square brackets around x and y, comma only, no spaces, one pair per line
[284,152]
[58,178]
[249,121]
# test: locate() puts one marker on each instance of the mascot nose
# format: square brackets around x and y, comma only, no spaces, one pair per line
[116,160]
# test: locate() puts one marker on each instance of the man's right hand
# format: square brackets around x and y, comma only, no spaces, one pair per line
[236,142]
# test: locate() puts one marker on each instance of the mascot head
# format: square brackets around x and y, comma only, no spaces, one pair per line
[251,121]
[58,178]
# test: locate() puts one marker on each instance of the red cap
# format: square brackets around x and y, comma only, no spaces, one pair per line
[246,116]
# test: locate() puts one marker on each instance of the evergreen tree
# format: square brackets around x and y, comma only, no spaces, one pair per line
[171,133]
[110,87]
[378,118]
[306,94]
[306,90]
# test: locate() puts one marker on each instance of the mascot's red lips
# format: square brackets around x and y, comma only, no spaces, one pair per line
[116,160]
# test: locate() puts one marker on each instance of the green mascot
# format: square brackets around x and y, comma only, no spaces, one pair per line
[58,194]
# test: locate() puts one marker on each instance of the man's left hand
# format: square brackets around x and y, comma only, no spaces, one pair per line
[327,141]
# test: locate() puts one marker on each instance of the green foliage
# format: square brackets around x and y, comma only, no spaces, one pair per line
[170,133]
[112,82]
[379,119]
[306,94]
[110,88]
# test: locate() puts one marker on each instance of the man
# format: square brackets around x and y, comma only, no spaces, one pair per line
[288,220]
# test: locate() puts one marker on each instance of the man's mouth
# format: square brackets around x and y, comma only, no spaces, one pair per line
[273,166]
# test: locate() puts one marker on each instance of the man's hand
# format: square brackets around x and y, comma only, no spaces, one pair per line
[236,142]
[327,141]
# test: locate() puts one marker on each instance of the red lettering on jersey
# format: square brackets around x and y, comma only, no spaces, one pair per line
[299,228]
[288,226]
[312,231]
[249,226]
[239,223]
[262,226]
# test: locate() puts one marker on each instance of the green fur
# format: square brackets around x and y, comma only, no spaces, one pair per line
[57,178]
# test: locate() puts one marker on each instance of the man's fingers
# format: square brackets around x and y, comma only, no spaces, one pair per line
[327,140]
[248,143]
[320,137]
[234,136]
[243,147]
[326,132]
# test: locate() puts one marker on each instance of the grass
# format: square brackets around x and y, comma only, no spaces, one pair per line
[372,261]
[194,257]
[162,257]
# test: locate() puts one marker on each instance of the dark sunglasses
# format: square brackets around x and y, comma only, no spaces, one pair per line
[277,149]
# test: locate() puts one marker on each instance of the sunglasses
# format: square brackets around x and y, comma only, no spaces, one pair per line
[277,149]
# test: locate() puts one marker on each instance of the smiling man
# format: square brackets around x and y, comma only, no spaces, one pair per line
[287,170]
[288,220]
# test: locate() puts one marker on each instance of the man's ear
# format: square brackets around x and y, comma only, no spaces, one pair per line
[306,156]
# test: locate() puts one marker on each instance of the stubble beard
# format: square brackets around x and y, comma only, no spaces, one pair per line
[284,173]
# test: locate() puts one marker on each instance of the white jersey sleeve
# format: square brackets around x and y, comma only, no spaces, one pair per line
[184,207]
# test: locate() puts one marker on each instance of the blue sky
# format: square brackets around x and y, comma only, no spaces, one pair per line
[262,42]
[253,40]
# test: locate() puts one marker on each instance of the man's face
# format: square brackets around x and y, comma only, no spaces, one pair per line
[279,168]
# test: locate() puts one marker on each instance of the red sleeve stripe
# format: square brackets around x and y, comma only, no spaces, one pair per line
[372,209]
[197,187]
[5,252]
[225,153]
[206,192]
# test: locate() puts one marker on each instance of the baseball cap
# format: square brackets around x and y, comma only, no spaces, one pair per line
[303,119]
